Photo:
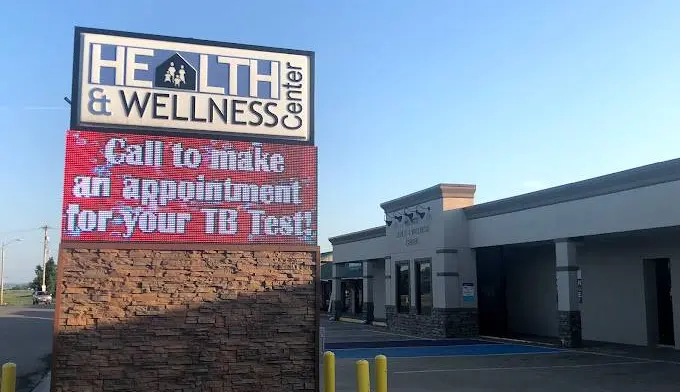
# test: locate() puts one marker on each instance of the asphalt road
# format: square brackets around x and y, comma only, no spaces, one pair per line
[26,339]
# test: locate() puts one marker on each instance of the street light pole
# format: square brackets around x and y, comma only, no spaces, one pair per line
[2,268]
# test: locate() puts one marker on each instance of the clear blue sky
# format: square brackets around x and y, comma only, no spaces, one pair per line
[510,96]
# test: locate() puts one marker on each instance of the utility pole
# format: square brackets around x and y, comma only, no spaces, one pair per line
[45,247]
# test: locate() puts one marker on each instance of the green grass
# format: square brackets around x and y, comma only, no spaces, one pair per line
[19,297]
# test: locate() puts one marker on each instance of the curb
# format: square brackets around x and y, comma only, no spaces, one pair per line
[351,320]
[360,321]
[44,384]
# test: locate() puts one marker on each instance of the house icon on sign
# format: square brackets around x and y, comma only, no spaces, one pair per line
[175,73]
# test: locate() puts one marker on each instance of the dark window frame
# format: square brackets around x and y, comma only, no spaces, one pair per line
[398,269]
[418,263]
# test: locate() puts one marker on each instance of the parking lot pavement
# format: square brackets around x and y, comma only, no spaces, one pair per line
[343,332]
[26,339]
[508,367]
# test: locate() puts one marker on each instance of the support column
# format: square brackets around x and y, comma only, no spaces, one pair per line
[569,313]
[336,292]
[455,310]
[390,291]
[368,280]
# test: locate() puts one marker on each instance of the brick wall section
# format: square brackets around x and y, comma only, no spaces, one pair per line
[570,328]
[441,323]
[144,320]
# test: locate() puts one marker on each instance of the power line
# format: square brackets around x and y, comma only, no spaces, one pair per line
[19,231]
[27,230]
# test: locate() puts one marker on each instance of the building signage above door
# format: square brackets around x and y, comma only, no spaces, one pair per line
[125,81]
[410,223]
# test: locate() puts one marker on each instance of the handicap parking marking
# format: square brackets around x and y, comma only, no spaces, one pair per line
[444,351]
[341,336]
[406,343]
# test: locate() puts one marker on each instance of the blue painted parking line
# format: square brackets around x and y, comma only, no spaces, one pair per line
[444,351]
[406,343]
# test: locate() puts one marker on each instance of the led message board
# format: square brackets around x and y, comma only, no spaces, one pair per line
[125,81]
[123,187]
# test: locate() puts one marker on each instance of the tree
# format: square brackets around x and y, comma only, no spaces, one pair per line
[50,277]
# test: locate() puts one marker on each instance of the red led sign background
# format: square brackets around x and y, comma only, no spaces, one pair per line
[135,188]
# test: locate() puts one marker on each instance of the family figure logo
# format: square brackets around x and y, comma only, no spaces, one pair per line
[176,78]
[176,73]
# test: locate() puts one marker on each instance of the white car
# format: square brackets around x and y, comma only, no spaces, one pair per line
[42,297]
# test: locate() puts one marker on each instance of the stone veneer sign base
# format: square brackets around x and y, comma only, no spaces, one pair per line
[176,320]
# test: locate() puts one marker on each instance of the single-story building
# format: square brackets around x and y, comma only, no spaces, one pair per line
[591,260]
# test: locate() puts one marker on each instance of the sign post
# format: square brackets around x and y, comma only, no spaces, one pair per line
[189,257]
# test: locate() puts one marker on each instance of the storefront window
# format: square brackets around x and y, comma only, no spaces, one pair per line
[403,292]
[346,297]
[424,287]
[352,296]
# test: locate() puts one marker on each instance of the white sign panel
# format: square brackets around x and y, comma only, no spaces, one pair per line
[140,82]
[468,292]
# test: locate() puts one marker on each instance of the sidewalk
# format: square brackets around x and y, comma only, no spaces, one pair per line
[44,385]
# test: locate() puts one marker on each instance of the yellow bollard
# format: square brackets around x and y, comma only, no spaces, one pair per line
[328,371]
[380,373]
[9,377]
[363,378]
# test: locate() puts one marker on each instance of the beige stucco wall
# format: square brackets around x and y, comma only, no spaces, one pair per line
[635,209]
[404,247]
[445,244]
[373,248]
[613,306]
[456,226]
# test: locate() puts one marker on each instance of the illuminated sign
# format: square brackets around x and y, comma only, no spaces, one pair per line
[129,82]
[123,187]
